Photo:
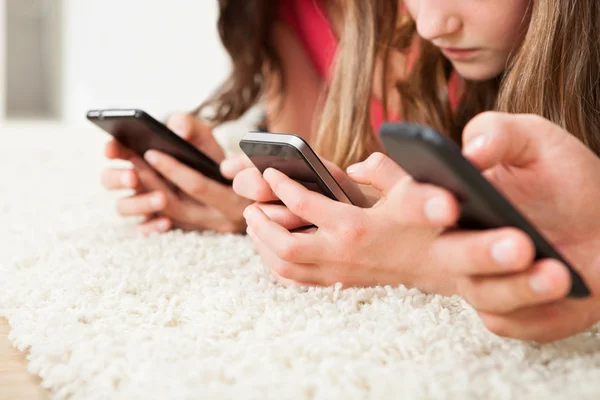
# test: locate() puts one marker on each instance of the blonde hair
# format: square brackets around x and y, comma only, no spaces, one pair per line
[548,76]
[554,73]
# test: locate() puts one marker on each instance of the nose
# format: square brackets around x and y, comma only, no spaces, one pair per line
[436,19]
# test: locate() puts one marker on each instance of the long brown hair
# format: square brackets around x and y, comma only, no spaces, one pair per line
[554,73]
[245,30]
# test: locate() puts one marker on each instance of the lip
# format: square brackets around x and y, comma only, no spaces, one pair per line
[458,53]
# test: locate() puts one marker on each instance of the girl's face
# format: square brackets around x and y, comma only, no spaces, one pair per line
[477,36]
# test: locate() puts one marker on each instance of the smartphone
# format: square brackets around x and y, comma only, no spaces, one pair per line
[138,131]
[291,155]
[430,157]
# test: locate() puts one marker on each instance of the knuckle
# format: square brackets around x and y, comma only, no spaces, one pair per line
[159,200]
[493,122]
[299,205]
[404,190]
[536,120]
[181,211]
[469,290]
[352,230]
[288,251]
[198,188]
[496,325]
[284,270]
[261,193]
[492,117]
[377,161]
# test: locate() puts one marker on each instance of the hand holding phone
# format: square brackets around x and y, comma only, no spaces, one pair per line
[138,131]
[431,158]
[291,155]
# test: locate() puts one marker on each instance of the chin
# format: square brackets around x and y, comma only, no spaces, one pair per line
[477,73]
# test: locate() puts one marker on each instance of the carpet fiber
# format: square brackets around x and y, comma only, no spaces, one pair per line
[106,314]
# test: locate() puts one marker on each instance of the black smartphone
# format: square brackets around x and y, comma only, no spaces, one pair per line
[140,132]
[432,158]
[291,155]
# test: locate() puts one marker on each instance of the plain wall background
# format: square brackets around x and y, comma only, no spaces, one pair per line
[32,58]
[159,55]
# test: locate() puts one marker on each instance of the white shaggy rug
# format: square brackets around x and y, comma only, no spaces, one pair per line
[109,315]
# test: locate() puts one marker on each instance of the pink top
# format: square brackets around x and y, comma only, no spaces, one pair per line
[308,19]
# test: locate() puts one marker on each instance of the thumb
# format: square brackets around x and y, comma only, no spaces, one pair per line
[519,140]
[378,171]
[197,133]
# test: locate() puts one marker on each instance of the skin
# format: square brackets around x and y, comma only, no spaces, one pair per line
[536,164]
[532,161]
[465,25]
[473,24]
[167,194]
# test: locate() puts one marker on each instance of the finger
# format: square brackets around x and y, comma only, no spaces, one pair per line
[547,281]
[149,178]
[281,215]
[492,138]
[291,247]
[155,225]
[114,150]
[209,219]
[307,204]
[232,166]
[196,185]
[290,283]
[115,178]
[378,170]
[543,323]
[489,252]
[419,204]
[251,184]
[197,133]
[351,188]
[285,272]
[142,204]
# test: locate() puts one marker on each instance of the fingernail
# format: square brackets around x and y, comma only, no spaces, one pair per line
[540,284]
[504,253]
[156,201]
[475,144]
[354,169]
[249,213]
[436,209]
[151,157]
[268,174]
[127,179]
[162,225]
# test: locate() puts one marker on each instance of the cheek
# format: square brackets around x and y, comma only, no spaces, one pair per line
[411,7]
[505,27]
